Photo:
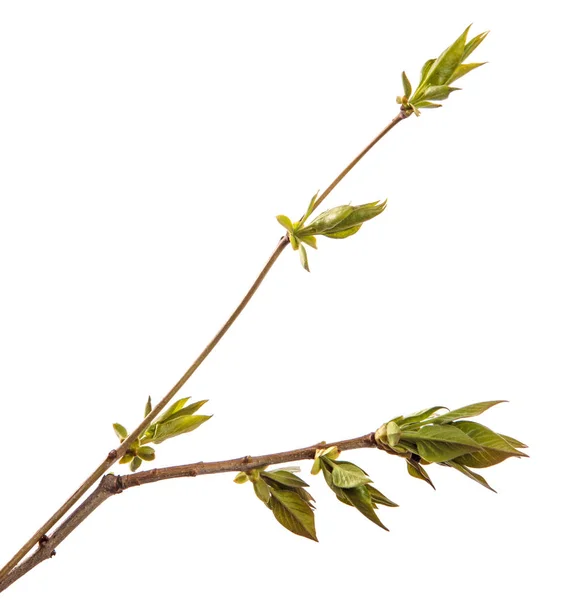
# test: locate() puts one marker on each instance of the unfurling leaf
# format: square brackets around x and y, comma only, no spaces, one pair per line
[176,406]
[493,447]
[469,473]
[284,478]
[135,464]
[261,490]
[418,416]
[285,222]
[146,453]
[416,470]
[471,410]
[393,432]
[304,258]
[148,407]
[241,477]
[445,65]
[190,409]
[120,431]
[406,85]
[348,475]
[438,92]
[294,513]
[178,426]
[439,443]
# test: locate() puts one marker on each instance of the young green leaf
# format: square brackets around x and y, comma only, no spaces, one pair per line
[416,470]
[326,220]
[438,92]
[469,473]
[135,464]
[146,453]
[360,498]
[190,409]
[304,258]
[261,490]
[241,477]
[394,433]
[439,443]
[284,478]
[120,431]
[178,426]
[127,457]
[473,43]
[418,416]
[493,447]
[464,70]
[378,498]
[513,442]
[148,407]
[292,512]
[175,407]
[341,235]
[406,85]
[348,475]
[286,223]
[471,410]
[443,67]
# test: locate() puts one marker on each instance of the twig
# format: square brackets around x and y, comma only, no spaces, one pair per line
[111,485]
[115,455]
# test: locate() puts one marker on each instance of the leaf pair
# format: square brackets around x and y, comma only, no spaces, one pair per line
[283,492]
[351,486]
[437,75]
[336,223]
[178,419]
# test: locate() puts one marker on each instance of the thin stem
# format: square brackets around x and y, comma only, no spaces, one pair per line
[400,117]
[111,485]
[115,455]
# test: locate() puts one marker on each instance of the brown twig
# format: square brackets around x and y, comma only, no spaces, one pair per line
[111,485]
[115,455]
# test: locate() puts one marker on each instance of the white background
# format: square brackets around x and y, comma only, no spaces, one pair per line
[145,148]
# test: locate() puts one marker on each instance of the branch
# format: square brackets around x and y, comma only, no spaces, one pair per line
[115,455]
[111,485]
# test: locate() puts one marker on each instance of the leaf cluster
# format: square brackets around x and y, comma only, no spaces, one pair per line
[177,420]
[438,74]
[336,223]
[350,484]
[448,439]
[283,493]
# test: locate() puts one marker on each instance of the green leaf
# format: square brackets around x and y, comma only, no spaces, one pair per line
[304,258]
[327,220]
[340,235]
[494,450]
[464,70]
[359,215]
[292,512]
[393,433]
[135,464]
[148,407]
[378,498]
[439,443]
[406,85]
[261,490]
[316,467]
[468,473]
[176,406]
[471,410]
[360,498]
[438,92]
[473,43]
[285,222]
[188,410]
[285,478]
[127,457]
[443,67]
[513,442]
[426,69]
[310,208]
[418,416]
[293,241]
[241,477]
[348,475]
[416,470]
[178,426]
[427,105]
[146,453]
[120,431]
[310,240]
